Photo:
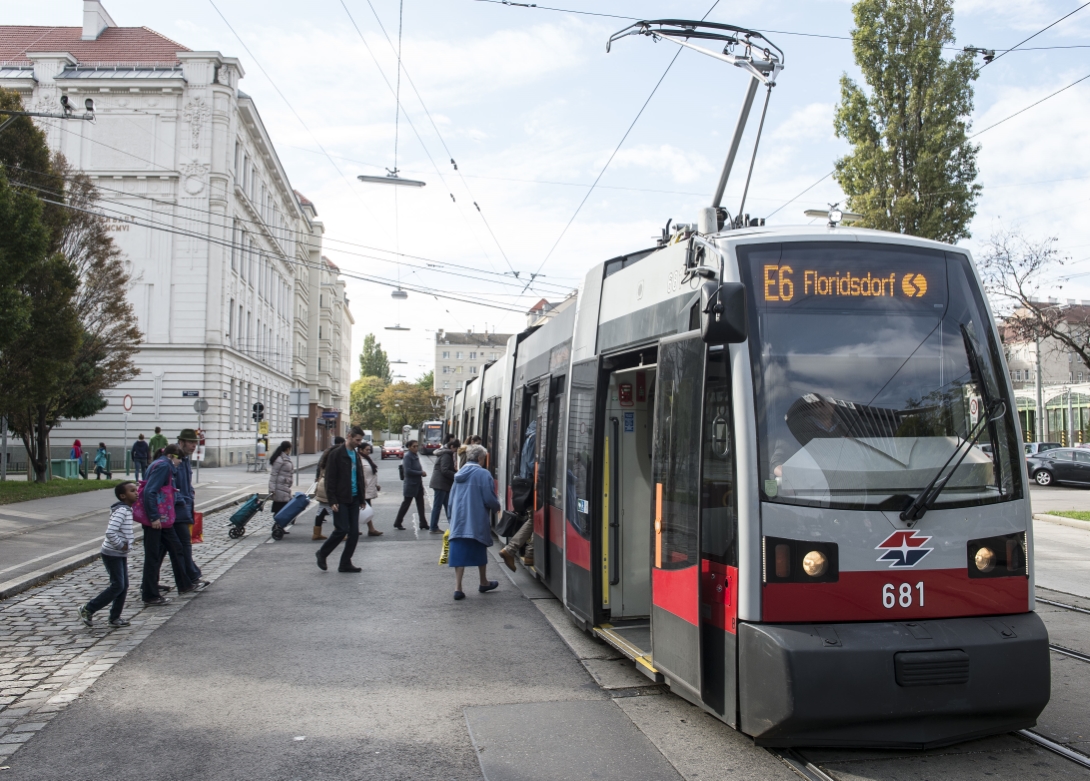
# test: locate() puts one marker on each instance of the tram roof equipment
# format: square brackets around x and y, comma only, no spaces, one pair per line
[758,56]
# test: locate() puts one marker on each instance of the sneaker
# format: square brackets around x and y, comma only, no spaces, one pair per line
[350,568]
[119,622]
[508,558]
[435,531]
[85,616]
[156,602]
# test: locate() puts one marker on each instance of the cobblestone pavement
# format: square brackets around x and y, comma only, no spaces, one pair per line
[48,657]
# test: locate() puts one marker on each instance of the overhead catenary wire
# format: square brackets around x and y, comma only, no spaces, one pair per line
[299,235]
[616,149]
[1018,47]
[439,135]
[974,135]
[292,261]
[412,125]
[1043,29]
[293,111]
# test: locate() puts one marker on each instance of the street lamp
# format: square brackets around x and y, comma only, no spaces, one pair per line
[391,178]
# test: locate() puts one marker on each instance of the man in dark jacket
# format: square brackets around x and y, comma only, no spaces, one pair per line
[184,503]
[442,480]
[344,487]
[140,455]
[413,486]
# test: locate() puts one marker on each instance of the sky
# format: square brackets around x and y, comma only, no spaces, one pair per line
[530,105]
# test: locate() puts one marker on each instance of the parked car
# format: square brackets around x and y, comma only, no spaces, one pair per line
[986,447]
[392,448]
[1033,448]
[1061,465]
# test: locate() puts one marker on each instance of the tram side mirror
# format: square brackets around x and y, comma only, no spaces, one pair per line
[723,317]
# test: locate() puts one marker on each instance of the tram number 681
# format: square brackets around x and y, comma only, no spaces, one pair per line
[902,595]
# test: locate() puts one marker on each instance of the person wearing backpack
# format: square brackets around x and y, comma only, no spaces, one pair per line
[412,488]
[159,536]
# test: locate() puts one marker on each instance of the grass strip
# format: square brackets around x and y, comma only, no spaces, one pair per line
[20,490]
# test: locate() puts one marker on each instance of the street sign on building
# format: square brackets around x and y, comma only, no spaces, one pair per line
[299,403]
[263,428]
[191,393]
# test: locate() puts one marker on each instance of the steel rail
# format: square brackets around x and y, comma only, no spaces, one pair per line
[1054,747]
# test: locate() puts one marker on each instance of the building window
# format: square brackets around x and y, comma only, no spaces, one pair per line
[446,370]
[472,369]
[446,384]
[446,355]
[458,370]
[460,355]
[230,320]
[1080,376]
[494,356]
[473,356]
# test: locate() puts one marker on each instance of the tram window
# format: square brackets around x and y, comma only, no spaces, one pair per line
[871,363]
[719,506]
[677,458]
[581,444]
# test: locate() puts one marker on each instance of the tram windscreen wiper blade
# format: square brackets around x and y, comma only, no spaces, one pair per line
[992,411]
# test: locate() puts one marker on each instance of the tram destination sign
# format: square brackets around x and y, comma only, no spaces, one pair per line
[829,282]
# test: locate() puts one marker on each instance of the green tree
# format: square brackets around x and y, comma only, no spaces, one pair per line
[912,168]
[366,412]
[374,361]
[426,380]
[407,404]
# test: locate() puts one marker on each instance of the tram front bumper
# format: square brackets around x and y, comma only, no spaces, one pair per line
[893,685]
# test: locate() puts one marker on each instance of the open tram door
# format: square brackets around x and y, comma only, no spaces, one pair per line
[694,567]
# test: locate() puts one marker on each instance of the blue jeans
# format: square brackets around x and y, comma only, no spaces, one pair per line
[141,467]
[441,499]
[118,589]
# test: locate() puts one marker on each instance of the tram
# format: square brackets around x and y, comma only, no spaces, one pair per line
[776,508]
[431,436]
[756,472]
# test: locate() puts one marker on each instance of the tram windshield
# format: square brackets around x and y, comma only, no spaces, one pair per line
[871,364]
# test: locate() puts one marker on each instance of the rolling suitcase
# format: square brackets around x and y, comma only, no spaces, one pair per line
[242,516]
[288,513]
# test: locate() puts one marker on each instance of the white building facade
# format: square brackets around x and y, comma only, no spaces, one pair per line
[236,304]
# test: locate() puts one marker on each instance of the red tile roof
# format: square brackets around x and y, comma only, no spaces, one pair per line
[115,44]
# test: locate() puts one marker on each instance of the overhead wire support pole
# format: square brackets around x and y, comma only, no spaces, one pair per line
[735,142]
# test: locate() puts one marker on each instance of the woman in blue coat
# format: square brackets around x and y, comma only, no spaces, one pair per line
[471,499]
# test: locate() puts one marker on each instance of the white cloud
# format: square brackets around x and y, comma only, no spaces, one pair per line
[683,167]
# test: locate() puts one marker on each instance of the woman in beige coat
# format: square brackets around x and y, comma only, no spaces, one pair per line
[281,477]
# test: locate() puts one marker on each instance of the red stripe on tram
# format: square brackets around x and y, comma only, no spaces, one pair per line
[677,591]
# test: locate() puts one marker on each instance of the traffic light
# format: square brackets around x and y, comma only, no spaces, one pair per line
[259,412]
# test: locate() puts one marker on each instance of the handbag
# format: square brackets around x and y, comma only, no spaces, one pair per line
[196,534]
[319,490]
[522,491]
[509,524]
[166,505]
[401,471]
[367,512]
[444,557]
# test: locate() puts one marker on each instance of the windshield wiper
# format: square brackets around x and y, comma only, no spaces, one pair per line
[922,503]
[993,410]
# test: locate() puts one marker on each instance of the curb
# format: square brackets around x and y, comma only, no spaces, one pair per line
[24,582]
[1060,520]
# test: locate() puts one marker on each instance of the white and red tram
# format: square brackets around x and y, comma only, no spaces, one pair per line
[755,473]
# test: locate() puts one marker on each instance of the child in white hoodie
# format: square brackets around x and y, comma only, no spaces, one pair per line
[115,553]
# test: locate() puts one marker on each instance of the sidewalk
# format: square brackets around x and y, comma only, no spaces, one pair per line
[42,538]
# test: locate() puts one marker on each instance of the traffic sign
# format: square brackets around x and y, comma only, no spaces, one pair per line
[299,402]
[126,403]
[200,406]
[263,428]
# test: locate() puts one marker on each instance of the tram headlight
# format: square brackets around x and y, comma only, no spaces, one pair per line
[984,559]
[815,563]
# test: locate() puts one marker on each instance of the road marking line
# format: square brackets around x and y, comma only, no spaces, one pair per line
[53,554]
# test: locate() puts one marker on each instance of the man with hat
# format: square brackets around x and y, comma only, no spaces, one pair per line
[184,501]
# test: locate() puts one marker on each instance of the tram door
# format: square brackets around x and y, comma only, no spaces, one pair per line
[628,493]
[675,502]
[548,485]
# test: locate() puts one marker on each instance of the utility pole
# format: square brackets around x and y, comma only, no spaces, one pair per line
[4,448]
[1040,397]
[1070,422]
